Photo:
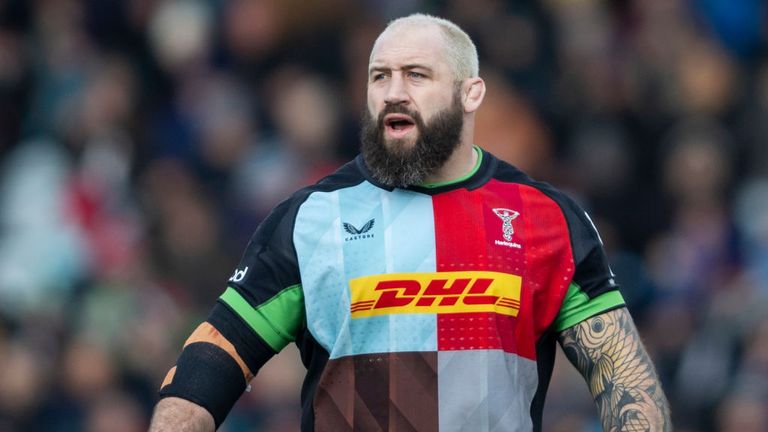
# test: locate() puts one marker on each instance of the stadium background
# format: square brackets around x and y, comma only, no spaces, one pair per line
[142,141]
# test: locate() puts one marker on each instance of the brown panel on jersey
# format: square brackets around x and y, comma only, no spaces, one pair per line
[335,397]
[413,385]
[378,392]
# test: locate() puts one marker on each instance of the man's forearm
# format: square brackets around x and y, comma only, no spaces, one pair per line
[608,352]
[180,415]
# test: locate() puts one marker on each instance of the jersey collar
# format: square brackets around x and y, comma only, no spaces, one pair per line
[480,175]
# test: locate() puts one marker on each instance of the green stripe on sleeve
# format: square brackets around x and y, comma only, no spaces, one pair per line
[577,306]
[277,321]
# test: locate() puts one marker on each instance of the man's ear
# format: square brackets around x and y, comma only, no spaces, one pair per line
[473,92]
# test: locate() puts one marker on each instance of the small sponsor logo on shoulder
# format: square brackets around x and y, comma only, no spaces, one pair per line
[239,275]
[361,233]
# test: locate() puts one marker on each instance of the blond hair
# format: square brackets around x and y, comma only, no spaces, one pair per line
[460,51]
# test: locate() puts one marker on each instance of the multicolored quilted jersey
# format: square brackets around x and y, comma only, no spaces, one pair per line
[430,308]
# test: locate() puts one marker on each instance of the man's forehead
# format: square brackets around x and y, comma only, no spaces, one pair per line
[408,44]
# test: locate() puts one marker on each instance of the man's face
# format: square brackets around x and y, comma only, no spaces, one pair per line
[408,68]
[414,107]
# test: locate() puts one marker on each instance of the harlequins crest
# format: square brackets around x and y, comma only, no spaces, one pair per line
[507,216]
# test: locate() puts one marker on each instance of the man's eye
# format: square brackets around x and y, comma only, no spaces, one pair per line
[416,75]
[378,77]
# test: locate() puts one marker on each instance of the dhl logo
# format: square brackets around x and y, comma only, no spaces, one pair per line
[414,293]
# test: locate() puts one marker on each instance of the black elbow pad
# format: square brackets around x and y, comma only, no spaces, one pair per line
[208,376]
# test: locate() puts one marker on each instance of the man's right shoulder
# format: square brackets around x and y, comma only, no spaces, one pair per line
[347,175]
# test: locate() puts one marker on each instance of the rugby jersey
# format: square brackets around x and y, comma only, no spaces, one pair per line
[428,308]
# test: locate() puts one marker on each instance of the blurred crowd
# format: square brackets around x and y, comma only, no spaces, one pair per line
[142,141]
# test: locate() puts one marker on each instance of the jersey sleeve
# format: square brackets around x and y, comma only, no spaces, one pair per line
[264,292]
[593,289]
[259,313]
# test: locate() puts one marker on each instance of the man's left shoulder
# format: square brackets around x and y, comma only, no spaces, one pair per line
[508,173]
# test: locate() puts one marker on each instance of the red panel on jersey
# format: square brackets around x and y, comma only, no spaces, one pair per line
[465,242]
[522,232]
[484,330]
[550,266]
[459,235]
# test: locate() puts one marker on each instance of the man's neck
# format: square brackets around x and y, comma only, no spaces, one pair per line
[461,163]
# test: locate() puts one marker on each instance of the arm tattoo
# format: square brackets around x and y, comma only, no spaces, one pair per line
[607,351]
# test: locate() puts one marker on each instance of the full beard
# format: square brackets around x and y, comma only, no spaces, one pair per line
[396,164]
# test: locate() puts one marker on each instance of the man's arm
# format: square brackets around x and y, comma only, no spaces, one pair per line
[607,351]
[174,414]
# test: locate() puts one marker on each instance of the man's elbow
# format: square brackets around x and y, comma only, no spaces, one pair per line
[180,415]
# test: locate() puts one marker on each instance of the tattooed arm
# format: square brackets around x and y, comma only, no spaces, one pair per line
[607,351]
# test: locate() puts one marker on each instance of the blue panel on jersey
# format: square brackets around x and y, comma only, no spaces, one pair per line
[317,237]
[360,231]
[364,252]
[410,234]
[388,333]
[401,234]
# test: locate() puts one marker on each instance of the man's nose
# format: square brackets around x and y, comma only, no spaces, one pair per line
[396,91]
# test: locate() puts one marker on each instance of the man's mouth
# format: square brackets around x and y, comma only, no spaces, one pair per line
[398,125]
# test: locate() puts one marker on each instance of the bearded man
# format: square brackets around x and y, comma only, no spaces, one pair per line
[426,282]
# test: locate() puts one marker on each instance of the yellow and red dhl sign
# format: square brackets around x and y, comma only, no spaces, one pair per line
[415,293]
